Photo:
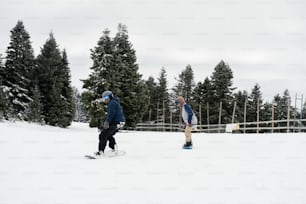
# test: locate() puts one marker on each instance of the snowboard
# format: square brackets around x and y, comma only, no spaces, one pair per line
[190,147]
[107,154]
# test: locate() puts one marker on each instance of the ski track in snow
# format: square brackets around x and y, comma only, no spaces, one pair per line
[43,164]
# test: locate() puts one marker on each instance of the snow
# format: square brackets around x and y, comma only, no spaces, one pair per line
[43,164]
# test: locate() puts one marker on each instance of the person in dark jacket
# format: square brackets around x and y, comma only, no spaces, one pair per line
[114,121]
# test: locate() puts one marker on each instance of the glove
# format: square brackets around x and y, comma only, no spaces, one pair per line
[189,124]
[120,125]
[106,125]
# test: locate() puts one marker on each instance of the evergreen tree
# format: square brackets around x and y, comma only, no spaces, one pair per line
[221,80]
[114,68]
[2,69]
[203,97]
[53,76]
[240,97]
[4,97]
[34,112]
[185,83]
[254,101]
[281,106]
[99,80]
[163,98]
[277,110]
[5,106]
[304,113]
[66,92]
[94,109]
[151,114]
[131,89]
[18,71]
[266,112]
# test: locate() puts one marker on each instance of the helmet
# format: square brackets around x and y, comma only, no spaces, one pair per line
[107,95]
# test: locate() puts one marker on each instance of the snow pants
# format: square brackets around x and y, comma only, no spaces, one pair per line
[108,135]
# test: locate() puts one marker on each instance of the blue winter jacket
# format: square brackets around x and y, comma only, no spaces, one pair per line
[114,112]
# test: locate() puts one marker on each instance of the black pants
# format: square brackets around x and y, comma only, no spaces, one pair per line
[107,135]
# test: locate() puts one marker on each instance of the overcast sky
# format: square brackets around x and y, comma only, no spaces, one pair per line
[263,41]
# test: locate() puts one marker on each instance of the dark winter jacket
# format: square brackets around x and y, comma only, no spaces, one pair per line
[114,112]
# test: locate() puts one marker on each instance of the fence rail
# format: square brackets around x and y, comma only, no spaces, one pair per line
[292,125]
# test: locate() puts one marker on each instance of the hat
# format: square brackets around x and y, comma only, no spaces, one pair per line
[107,95]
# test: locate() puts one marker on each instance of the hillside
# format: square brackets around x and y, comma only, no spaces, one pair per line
[42,164]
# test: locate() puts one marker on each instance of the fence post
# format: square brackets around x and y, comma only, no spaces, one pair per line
[257,131]
[220,114]
[170,120]
[244,116]
[302,106]
[234,110]
[164,115]
[200,116]
[207,117]
[288,115]
[157,111]
[272,125]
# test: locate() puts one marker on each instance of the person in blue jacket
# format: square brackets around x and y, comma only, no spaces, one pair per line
[189,119]
[115,119]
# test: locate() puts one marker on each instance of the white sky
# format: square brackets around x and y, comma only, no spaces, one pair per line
[263,41]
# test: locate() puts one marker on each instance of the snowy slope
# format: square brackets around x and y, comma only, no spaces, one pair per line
[42,164]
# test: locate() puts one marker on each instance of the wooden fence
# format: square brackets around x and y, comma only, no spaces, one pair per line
[292,125]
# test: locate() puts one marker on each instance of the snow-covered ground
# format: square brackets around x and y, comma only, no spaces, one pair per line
[42,164]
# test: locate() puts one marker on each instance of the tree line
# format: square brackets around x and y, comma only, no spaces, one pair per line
[39,88]
[35,89]
[214,94]
[147,100]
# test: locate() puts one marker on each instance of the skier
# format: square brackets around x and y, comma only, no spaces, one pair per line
[114,121]
[189,119]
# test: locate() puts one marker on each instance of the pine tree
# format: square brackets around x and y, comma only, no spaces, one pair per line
[266,112]
[131,89]
[114,68]
[4,97]
[222,87]
[53,76]
[5,106]
[99,80]
[241,97]
[34,112]
[281,106]
[2,69]
[277,110]
[163,98]
[94,109]
[18,71]
[151,114]
[66,92]
[304,113]
[185,83]
[203,97]
[254,101]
